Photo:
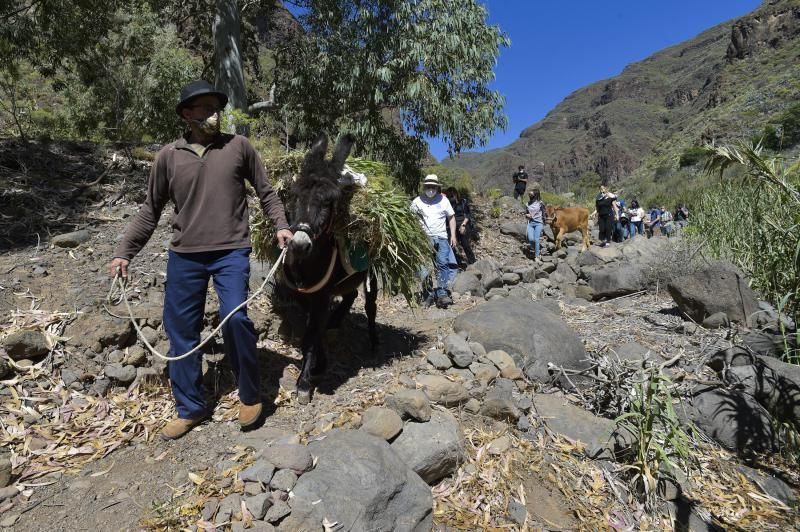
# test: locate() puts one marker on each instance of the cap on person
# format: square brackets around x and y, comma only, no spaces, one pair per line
[197,88]
[431,180]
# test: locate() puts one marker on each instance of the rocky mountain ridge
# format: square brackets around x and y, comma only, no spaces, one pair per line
[723,84]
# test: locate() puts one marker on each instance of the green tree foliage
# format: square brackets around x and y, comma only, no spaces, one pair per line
[125,87]
[49,33]
[426,63]
[115,67]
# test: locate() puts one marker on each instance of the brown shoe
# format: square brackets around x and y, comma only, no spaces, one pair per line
[249,414]
[179,427]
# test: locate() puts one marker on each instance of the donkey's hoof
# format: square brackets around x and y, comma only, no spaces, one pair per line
[303,396]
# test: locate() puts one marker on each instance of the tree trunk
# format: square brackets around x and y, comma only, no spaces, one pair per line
[228,68]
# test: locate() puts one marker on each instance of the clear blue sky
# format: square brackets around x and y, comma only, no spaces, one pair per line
[558,47]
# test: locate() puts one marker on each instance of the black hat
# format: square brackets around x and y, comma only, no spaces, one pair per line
[196,88]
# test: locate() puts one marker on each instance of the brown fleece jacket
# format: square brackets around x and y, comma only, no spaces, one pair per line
[209,196]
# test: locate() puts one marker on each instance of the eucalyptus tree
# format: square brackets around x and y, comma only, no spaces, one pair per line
[426,64]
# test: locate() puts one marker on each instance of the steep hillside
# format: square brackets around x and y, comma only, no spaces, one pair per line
[723,84]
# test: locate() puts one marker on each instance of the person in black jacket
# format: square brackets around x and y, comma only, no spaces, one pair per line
[463,223]
[604,203]
[520,178]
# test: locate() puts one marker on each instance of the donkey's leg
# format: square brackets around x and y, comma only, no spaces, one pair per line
[342,309]
[371,307]
[314,357]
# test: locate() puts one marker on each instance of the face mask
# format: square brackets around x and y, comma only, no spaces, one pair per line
[430,193]
[209,126]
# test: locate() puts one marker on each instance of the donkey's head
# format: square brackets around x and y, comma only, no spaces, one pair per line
[315,195]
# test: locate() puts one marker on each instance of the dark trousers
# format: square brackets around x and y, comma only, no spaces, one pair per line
[184,307]
[464,241]
[606,226]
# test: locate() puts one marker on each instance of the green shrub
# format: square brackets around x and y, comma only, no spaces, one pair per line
[494,193]
[691,156]
[495,212]
[783,132]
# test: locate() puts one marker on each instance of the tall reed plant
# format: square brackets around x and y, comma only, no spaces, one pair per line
[753,220]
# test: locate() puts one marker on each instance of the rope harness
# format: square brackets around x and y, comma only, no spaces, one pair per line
[120,282]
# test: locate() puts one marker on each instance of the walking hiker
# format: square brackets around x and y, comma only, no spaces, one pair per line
[438,219]
[203,174]
[520,179]
[463,223]
[535,214]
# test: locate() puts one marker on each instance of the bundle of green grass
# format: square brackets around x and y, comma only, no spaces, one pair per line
[376,220]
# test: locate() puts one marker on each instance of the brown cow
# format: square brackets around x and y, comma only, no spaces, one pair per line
[565,220]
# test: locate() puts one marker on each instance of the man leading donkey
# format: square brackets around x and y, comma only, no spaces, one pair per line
[204,174]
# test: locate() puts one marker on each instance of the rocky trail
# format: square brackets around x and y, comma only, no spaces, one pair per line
[496,413]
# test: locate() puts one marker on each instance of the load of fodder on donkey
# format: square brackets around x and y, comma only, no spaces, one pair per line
[376,222]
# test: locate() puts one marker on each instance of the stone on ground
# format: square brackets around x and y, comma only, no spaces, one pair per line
[26,344]
[458,350]
[433,449]
[734,419]
[442,390]
[258,505]
[261,471]
[529,332]
[720,287]
[71,240]
[381,422]
[615,280]
[359,481]
[283,480]
[294,457]
[467,283]
[596,433]
[410,403]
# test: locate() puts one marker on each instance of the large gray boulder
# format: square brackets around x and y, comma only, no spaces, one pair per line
[433,449]
[526,330]
[771,382]
[720,287]
[362,483]
[734,419]
[616,280]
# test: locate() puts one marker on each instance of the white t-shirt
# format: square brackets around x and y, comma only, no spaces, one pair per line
[434,213]
[637,215]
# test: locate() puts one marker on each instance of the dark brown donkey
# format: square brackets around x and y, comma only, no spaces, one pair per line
[312,267]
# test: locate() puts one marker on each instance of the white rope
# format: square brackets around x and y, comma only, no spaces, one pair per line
[121,282]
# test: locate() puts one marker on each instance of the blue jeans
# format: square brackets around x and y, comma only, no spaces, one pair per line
[184,307]
[443,252]
[534,233]
[637,227]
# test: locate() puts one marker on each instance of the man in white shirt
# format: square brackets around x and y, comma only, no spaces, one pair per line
[437,215]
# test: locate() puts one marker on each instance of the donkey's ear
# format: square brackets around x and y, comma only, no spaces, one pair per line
[317,151]
[342,150]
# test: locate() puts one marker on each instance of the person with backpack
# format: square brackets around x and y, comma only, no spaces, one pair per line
[536,214]
[520,179]
[463,224]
